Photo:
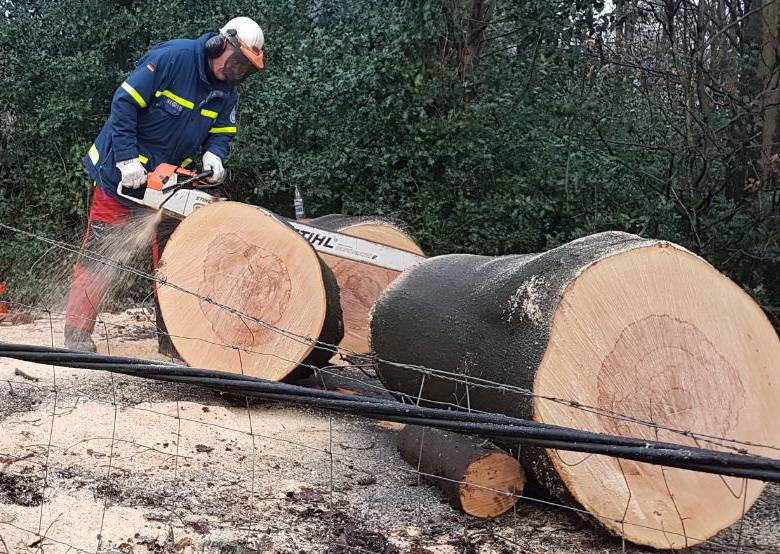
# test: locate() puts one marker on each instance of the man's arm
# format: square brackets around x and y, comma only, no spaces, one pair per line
[134,94]
[222,132]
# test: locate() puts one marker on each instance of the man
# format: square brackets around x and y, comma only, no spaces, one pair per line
[180,101]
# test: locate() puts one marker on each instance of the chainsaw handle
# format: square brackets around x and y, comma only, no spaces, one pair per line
[205,175]
[198,177]
[187,183]
[201,176]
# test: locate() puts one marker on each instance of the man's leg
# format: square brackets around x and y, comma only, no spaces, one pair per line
[164,231]
[90,279]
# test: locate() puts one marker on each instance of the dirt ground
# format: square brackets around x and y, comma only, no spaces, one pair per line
[94,462]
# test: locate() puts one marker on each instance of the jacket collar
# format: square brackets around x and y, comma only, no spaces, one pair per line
[204,70]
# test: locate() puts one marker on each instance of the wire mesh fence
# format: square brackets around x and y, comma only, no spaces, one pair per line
[98,462]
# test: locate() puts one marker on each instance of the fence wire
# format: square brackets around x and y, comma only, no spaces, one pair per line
[344,461]
[465,380]
[373,467]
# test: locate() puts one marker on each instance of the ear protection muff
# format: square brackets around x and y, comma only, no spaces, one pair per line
[215,46]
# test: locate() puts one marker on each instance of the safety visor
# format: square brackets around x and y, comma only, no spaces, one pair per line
[253,55]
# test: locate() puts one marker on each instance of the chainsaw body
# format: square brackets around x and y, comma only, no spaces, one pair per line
[175,190]
[179,192]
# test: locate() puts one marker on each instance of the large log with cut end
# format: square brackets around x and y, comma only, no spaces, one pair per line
[477,476]
[628,325]
[280,297]
[360,284]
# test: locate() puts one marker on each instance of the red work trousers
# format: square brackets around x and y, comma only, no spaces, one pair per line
[90,280]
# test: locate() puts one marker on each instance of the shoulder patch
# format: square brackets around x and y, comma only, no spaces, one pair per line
[150,67]
[233,115]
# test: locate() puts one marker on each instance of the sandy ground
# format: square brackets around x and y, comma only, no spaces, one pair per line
[94,462]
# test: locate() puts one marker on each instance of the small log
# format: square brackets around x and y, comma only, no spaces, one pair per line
[625,324]
[360,284]
[477,476]
[250,260]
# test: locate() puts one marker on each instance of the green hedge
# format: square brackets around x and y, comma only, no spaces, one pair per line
[357,110]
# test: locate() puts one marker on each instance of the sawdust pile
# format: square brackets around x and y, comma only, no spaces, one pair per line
[110,463]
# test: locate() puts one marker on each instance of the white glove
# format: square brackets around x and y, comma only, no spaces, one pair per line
[133,173]
[214,163]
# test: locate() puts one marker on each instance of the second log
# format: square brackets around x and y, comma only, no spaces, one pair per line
[476,476]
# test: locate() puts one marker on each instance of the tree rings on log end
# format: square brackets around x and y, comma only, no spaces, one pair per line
[247,259]
[361,284]
[491,485]
[660,335]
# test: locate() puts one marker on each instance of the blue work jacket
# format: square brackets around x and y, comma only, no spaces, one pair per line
[169,109]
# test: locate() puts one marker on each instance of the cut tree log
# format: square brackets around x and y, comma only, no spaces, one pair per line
[477,476]
[360,284]
[253,262]
[629,325]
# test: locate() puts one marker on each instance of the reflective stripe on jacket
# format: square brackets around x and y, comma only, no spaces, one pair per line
[169,109]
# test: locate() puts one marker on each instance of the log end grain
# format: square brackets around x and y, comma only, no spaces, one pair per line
[491,485]
[246,259]
[361,284]
[659,334]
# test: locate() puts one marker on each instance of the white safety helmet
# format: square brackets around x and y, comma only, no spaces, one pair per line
[246,36]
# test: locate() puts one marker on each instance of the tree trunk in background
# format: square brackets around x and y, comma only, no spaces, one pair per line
[742,166]
[770,77]
[465,23]
[624,30]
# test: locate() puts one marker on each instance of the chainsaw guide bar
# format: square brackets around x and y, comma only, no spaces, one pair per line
[179,192]
[356,249]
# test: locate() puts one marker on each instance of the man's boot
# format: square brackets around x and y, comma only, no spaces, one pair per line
[79,339]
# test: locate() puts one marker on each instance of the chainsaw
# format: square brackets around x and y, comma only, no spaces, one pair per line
[178,192]
[175,190]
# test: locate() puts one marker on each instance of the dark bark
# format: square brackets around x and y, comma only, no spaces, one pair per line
[486,318]
[449,456]
[332,328]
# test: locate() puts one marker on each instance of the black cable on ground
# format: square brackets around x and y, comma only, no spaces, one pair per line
[495,426]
